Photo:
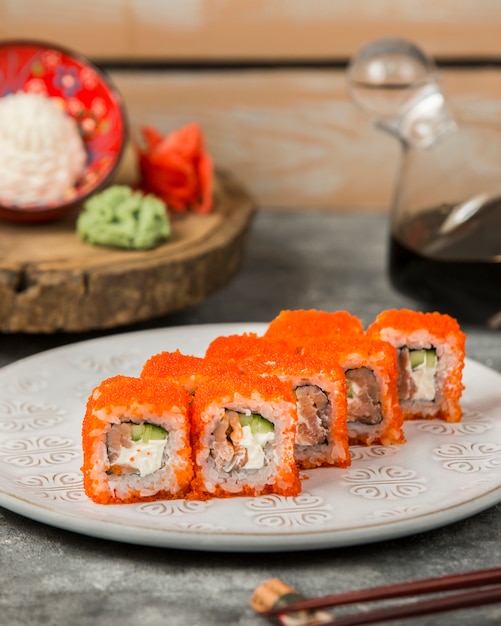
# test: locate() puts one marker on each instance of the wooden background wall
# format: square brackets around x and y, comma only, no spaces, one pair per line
[266,79]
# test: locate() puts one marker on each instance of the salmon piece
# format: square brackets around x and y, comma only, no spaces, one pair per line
[312,406]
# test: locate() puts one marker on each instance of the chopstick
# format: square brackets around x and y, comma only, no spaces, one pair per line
[487,584]
[452,602]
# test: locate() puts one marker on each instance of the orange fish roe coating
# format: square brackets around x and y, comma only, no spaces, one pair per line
[122,390]
[407,321]
[124,399]
[319,324]
[186,369]
[419,330]
[268,397]
[239,348]
[341,348]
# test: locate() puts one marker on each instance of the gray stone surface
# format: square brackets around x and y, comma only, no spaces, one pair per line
[294,260]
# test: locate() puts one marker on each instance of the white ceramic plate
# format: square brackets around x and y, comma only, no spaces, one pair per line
[444,473]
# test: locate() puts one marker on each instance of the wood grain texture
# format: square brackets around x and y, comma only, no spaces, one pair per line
[51,281]
[253,29]
[294,138]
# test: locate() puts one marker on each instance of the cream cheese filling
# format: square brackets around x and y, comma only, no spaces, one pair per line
[146,458]
[254,443]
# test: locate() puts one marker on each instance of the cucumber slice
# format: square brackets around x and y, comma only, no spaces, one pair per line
[152,432]
[136,432]
[349,389]
[257,423]
[431,358]
[426,358]
[147,432]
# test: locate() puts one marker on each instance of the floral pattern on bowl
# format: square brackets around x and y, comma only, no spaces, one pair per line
[87,95]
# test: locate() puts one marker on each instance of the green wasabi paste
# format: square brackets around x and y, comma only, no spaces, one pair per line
[122,218]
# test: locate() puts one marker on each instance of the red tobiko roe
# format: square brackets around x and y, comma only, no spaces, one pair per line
[177,168]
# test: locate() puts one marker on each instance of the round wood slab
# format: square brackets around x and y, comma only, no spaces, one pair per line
[51,281]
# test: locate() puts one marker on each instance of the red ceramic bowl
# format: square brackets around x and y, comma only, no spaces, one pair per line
[87,95]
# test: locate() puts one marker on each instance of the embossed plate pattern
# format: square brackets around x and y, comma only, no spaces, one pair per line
[444,473]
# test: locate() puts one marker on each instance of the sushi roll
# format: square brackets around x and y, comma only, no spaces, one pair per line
[371,374]
[319,389]
[321,325]
[136,441]
[430,349]
[243,437]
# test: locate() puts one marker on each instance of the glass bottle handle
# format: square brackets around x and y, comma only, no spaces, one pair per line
[394,82]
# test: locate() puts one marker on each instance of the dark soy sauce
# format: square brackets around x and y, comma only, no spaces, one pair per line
[456,272]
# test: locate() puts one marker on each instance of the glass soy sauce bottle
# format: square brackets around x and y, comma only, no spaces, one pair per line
[445,234]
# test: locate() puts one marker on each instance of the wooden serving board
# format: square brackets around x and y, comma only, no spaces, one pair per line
[51,281]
